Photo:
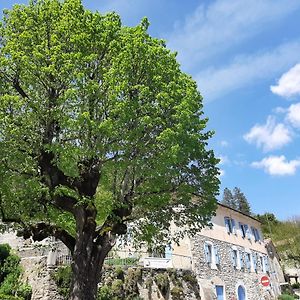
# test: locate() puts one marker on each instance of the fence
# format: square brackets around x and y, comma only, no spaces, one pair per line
[138,258]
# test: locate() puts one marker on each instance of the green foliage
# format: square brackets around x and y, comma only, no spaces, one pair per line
[10,272]
[236,200]
[296,285]
[98,120]
[128,261]
[177,293]
[9,297]
[189,277]
[104,293]
[62,277]
[162,282]
[284,234]
[286,297]
[117,289]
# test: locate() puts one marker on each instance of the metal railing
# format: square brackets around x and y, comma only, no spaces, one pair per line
[138,258]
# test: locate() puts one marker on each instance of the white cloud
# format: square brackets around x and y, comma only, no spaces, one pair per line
[224,143]
[246,70]
[289,83]
[269,136]
[277,165]
[223,160]
[293,115]
[217,27]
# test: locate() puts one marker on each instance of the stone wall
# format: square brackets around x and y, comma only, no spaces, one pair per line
[150,284]
[38,275]
[225,274]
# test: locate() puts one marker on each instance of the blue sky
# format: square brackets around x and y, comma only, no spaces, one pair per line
[245,57]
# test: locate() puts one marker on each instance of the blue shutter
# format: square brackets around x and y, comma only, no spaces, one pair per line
[241,259]
[233,259]
[226,220]
[233,226]
[266,261]
[248,266]
[248,235]
[217,256]
[207,253]
[254,259]
[241,229]
[258,235]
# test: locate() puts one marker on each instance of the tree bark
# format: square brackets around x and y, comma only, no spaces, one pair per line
[88,257]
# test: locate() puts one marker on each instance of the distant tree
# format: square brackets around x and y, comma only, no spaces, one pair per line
[241,201]
[228,198]
[268,222]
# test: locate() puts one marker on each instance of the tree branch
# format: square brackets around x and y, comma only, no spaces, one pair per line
[42,230]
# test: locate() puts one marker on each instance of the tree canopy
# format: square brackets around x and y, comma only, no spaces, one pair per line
[236,200]
[99,127]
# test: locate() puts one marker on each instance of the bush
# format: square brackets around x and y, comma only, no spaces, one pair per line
[25,291]
[162,282]
[104,293]
[10,272]
[9,297]
[62,278]
[177,293]
[296,285]
[286,297]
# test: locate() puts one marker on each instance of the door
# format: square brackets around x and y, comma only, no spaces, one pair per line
[241,293]
[220,292]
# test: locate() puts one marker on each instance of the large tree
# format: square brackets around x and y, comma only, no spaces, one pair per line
[99,127]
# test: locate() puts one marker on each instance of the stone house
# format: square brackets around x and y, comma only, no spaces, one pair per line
[231,259]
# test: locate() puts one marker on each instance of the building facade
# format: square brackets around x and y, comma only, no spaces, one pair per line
[231,260]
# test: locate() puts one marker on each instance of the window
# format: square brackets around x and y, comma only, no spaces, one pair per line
[220,292]
[208,252]
[230,225]
[255,233]
[241,254]
[248,261]
[234,258]
[245,230]
[212,256]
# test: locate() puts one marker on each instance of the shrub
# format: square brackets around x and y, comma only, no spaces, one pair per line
[10,272]
[286,297]
[62,278]
[25,291]
[104,293]
[177,293]
[162,282]
[296,285]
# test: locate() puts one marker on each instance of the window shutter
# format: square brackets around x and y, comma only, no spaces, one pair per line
[254,259]
[241,259]
[266,262]
[258,235]
[247,261]
[241,229]
[233,226]
[226,220]
[217,256]
[248,235]
[233,259]
[207,252]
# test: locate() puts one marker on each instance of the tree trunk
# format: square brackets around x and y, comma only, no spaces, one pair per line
[88,257]
[86,271]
